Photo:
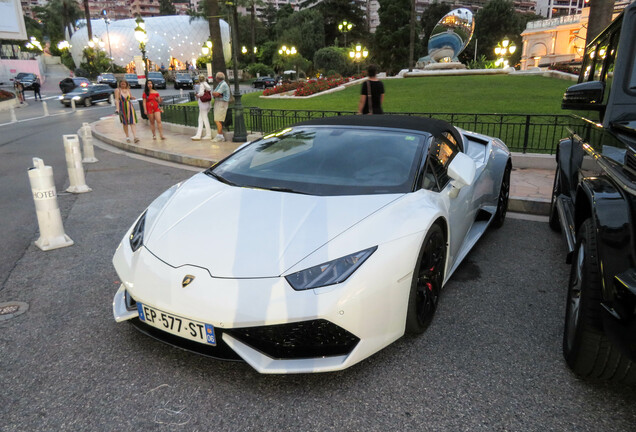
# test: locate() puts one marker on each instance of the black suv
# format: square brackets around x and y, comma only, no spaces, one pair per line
[157,80]
[26,79]
[183,80]
[594,205]
[107,78]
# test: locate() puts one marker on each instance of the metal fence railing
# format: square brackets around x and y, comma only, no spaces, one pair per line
[527,133]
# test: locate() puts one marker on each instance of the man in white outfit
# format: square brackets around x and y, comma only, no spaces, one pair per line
[204,109]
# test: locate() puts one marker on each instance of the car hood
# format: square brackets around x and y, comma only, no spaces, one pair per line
[237,232]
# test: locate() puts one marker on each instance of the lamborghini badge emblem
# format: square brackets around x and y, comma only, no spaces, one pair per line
[187,280]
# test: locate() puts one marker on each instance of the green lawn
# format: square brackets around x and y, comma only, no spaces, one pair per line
[457,94]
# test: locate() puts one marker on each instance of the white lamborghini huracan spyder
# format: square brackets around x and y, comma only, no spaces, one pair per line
[315,247]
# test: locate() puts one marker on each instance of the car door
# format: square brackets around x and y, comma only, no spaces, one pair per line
[459,205]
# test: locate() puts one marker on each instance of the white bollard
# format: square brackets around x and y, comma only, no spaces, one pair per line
[52,234]
[73,105]
[46,109]
[13,117]
[74,165]
[180,92]
[86,134]
[111,99]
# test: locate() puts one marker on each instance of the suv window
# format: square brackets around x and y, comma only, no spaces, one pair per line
[155,75]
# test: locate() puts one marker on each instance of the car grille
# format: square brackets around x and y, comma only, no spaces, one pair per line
[305,339]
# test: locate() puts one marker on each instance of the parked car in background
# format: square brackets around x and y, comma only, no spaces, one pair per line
[87,95]
[264,82]
[157,79]
[349,228]
[594,206]
[68,84]
[132,79]
[183,80]
[26,79]
[107,78]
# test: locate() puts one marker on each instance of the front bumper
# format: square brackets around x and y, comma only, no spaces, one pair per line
[264,321]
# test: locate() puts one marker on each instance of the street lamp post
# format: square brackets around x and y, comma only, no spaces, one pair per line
[107,22]
[504,49]
[240,131]
[344,27]
[288,52]
[206,49]
[142,38]
[358,54]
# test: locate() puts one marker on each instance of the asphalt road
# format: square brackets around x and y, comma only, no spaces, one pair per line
[490,361]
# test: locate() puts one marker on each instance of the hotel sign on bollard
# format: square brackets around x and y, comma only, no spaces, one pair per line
[74,165]
[86,134]
[47,210]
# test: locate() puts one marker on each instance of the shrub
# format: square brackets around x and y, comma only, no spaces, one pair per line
[281,88]
[329,59]
[260,68]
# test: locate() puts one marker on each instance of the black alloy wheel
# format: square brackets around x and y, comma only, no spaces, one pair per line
[586,349]
[556,191]
[503,198]
[426,286]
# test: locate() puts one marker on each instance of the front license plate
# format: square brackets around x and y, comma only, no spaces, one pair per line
[183,327]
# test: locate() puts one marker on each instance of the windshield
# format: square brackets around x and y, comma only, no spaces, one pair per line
[155,75]
[130,76]
[109,76]
[327,161]
[183,76]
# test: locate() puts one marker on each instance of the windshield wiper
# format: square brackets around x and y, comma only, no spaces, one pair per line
[284,189]
[221,178]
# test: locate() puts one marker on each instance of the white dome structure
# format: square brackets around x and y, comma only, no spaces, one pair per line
[168,36]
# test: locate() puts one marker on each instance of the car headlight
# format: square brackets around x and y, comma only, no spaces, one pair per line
[137,234]
[61,97]
[76,98]
[329,273]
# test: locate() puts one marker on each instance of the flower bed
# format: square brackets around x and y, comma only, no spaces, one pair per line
[6,95]
[312,86]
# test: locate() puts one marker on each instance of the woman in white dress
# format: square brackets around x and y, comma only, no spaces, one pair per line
[204,109]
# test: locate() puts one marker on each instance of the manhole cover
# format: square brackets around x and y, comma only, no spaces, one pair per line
[12,309]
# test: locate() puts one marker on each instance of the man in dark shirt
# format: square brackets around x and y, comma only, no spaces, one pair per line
[372,93]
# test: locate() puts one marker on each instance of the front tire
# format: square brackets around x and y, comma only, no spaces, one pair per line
[426,286]
[502,199]
[586,348]
[88,102]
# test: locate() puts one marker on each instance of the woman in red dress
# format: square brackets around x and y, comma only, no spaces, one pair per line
[151,106]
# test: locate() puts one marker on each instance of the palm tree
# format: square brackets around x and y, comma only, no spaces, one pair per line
[87,15]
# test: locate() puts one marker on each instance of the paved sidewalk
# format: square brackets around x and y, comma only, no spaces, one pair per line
[530,187]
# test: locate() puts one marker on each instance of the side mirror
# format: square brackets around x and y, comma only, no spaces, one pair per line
[462,172]
[584,96]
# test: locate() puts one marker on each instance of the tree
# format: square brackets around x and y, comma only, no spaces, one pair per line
[212,14]
[600,17]
[336,11]
[330,59]
[303,29]
[392,35]
[497,20]
[57,16]
[166,7]
[87,15]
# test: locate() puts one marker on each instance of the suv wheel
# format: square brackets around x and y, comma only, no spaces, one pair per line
[88,102]
[586,349]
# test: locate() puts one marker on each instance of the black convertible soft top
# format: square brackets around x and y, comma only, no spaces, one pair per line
[425,124]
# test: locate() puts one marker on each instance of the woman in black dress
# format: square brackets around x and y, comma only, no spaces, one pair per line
[372,94]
